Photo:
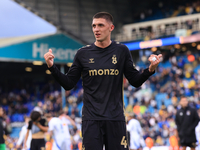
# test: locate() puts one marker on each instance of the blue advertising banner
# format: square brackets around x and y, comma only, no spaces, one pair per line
[162,42]
[63,47]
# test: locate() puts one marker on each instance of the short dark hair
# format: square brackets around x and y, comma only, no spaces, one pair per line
[48,115]
[104,15]
[183,96]
[35,115]
[61,112]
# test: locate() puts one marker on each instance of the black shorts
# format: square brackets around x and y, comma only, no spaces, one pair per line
[191,145]
[37,144]
[112,134]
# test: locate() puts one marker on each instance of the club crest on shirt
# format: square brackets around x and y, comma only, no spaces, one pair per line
[114,59]
[181,113]
[188,112]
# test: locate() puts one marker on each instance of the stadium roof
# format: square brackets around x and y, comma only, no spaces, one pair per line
[14,40]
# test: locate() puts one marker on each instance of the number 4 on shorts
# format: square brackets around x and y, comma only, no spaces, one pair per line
[123,142]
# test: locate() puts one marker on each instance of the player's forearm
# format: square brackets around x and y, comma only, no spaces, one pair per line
[73,123]
[26,137]
[44,129]
[21,138]
[136,78]
[63,79]
[50,135]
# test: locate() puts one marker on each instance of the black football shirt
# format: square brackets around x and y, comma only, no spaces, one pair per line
[102,71]
[34,128]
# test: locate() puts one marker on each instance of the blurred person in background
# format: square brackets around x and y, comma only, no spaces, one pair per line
[2,130]
[38,127]
[186,120]
[77,137]
[56,132]
[135,131]
[66,121]
[39,108]
[22,136]
[165,133]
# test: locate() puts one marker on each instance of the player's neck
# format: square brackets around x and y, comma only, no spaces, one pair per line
[103,44]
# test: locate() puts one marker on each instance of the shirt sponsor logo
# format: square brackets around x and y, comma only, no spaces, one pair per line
[101,72]
[83,147]
[91,60]
[181,113]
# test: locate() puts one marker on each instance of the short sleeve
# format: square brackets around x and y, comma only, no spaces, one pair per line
[44,122]
[30,123]
[67,121]
[51,125]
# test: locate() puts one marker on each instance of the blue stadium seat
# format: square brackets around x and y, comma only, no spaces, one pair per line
[125,101]
[5,108]
[159,98]
[166,64]
[15,132]
[196,69]
[80,105]
[167,102]
[21,118]
[14,117]
[150,109]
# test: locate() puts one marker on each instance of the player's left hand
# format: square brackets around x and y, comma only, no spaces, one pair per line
[155,60]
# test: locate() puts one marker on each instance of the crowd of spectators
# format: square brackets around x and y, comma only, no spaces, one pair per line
[166,9]
[155,103]
[19,101]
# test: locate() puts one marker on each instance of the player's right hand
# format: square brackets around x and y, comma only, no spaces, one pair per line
[49,58]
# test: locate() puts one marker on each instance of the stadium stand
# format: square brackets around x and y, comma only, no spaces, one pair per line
[166,10]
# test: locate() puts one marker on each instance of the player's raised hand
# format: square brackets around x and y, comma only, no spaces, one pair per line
[49,58]
[155,60]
